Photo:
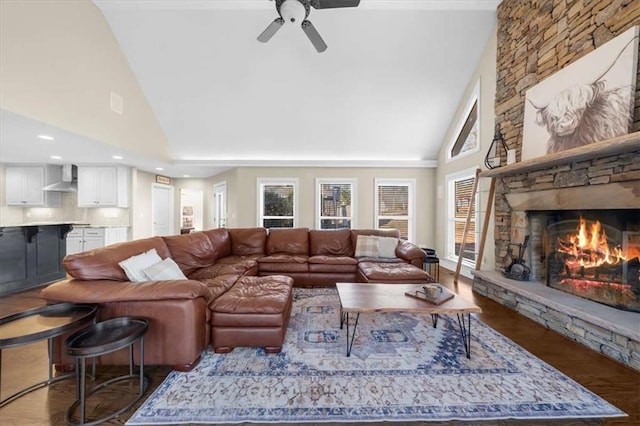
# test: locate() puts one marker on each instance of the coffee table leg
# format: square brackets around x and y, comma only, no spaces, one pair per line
[465,332]
[434,318]
[353,335]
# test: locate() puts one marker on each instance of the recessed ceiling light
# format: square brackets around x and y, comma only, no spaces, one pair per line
[187,175]
[159,169]
[56,157]
[46,137]
[117,157]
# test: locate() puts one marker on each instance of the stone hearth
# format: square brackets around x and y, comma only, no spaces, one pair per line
[612,332]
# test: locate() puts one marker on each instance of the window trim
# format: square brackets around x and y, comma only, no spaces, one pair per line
[337,181]
[261,182]
[411,183]
[474,97]
[450,180]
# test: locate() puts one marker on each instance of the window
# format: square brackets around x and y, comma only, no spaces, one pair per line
[394,205]
[461,199]
[466,138]
[335,203]
[278,203]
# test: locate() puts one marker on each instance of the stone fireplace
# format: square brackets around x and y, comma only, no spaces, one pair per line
[545,197]
[584,244]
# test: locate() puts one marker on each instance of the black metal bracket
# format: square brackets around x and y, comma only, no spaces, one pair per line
[29,233]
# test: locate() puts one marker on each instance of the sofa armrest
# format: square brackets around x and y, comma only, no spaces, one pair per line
[410,252]
[105,291]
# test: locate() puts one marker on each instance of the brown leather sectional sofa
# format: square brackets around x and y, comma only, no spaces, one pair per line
[238,291]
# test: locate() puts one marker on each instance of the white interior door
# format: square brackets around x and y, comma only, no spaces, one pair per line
[220,205]
[162,210]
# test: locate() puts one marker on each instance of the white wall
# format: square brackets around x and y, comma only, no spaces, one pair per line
[485,73]
[59,63]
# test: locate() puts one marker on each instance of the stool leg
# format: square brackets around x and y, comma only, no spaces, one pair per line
[141,365]
[78,379]
[131,359]
[83,366]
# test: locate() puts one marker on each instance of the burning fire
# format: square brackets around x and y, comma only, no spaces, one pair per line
[589,248]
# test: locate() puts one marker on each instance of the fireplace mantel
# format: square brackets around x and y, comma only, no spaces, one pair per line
[621,144]
[615,195]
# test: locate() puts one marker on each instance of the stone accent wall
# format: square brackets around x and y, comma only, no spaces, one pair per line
[536,39]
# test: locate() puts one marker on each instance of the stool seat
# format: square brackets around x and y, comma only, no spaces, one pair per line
[106,336]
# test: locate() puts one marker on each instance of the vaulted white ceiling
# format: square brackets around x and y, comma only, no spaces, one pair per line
[384,92]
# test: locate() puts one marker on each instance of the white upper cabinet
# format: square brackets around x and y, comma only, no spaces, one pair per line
[103,186]
[24,185]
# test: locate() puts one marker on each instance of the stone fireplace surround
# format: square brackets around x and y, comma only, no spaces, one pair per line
[604,175]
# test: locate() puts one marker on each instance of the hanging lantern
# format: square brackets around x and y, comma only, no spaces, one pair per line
[497,150]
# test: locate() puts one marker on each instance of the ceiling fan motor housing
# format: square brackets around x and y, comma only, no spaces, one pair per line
[293,10]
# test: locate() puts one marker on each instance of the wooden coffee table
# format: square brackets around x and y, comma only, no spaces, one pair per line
[366,298]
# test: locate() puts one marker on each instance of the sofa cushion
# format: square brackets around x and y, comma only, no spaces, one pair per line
[330,242]
[332,260]
[393,272]
[333,267]
[221,242]
[288,241]
[230,260]
[219,285]
[237,268]
[102,263]
[283,263]
[191,251]
[381,260]
[246,241]
[105,291]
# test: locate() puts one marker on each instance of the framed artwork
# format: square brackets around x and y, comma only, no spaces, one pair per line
[163,180]
[588,101]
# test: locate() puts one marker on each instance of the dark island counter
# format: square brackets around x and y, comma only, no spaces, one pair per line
[31,255]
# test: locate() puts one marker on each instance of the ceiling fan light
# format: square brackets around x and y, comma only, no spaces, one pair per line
[292,11]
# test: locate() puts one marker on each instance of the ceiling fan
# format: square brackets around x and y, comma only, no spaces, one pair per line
[298,11]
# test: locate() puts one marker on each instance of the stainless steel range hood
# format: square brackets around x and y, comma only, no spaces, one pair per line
[69,182]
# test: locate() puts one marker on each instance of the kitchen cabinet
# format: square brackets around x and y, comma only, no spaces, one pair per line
[24,185]
[31,256]
[85,239]
[103,186]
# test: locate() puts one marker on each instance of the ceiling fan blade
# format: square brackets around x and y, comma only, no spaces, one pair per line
[314,36]
[271,30]
[331,4]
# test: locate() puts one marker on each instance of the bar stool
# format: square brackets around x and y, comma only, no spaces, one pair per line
[100,339]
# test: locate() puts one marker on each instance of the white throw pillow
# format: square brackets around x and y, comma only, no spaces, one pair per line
[366,246]
[168,269]
[135,265]
[387,247]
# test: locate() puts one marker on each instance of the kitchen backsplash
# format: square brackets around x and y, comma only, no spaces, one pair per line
[67,212]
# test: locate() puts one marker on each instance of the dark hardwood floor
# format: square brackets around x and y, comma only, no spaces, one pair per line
[24,365]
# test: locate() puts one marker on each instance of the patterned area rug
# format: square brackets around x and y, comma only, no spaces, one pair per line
[400,369]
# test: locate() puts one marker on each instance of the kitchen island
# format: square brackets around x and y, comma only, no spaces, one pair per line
[31,255]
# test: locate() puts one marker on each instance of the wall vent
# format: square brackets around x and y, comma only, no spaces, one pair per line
[117,103]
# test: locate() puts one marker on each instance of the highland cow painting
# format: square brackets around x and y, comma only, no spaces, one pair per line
[588,101]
